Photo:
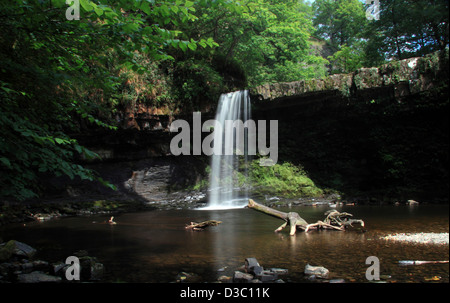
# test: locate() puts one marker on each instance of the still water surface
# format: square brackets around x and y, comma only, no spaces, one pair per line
[153,246]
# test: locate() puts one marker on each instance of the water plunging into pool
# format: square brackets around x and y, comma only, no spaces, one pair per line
[227,169]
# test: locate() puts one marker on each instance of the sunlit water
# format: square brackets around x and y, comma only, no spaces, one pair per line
[154,246]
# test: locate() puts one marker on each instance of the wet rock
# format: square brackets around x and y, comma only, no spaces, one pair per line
[5,253]
[90,269]
[15,248]
[59,269]
[240,277]
[37,277]
[337,281]
[255,273]
[250,264]
[225,279]
[27,267]
[279,271]
[97,271]
[267,276]
[187,277]
[318,271]
[252,267]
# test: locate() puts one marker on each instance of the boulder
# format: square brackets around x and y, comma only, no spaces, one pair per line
[37,277]
[15,248]
[90,268]
[252,266]
[317,271]
[279,271]
[5,252]
[267,276]
[240,277]
[97,270]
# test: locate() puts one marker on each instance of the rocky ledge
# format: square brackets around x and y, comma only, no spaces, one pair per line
[408,76]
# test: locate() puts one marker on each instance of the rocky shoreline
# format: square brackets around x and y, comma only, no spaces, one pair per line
[17,265]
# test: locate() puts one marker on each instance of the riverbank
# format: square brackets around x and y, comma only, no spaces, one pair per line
[43,210]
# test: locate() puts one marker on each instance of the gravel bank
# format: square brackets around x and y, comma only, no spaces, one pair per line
[423,238]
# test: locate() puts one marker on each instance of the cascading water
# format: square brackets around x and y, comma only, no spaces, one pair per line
[224,190]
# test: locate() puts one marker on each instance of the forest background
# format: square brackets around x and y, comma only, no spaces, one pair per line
[58,76]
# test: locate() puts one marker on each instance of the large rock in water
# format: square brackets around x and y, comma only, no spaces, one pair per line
[15,248]
[37,277]
[318,271]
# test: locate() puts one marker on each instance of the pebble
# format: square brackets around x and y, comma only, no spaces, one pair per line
[337,281]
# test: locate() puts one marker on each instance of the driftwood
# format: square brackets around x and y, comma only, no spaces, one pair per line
[334,219]
[202,225]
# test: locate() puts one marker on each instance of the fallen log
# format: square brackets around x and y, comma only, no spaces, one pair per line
[334,219]
[202,225]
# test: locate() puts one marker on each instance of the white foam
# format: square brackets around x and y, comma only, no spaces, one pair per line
[231,204]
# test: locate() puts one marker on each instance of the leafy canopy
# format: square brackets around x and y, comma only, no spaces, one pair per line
[58,74]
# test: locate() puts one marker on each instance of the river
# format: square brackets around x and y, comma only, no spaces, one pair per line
[153,246]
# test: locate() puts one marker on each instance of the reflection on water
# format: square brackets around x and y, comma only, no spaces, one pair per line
[154,246]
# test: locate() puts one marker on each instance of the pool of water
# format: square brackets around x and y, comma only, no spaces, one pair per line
[154,246]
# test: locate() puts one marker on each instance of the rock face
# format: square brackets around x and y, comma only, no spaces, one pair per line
[378,134]
[406,77]
[151,180]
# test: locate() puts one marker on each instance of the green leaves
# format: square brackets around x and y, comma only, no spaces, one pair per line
[192,45]
[58,77]
[6,162]
[87,5]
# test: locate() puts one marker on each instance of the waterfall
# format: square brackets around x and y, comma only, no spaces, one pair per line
[224,190]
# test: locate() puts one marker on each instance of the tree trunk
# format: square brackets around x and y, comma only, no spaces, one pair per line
[267,210]
[334,219]
[292,218]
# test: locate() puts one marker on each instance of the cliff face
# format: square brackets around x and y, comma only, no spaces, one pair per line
[378,133]
[401,78]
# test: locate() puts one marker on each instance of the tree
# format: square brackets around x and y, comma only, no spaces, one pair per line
[347,59]
[57,72]
[342,24]
[268,40]
[408,28]
[340,21]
